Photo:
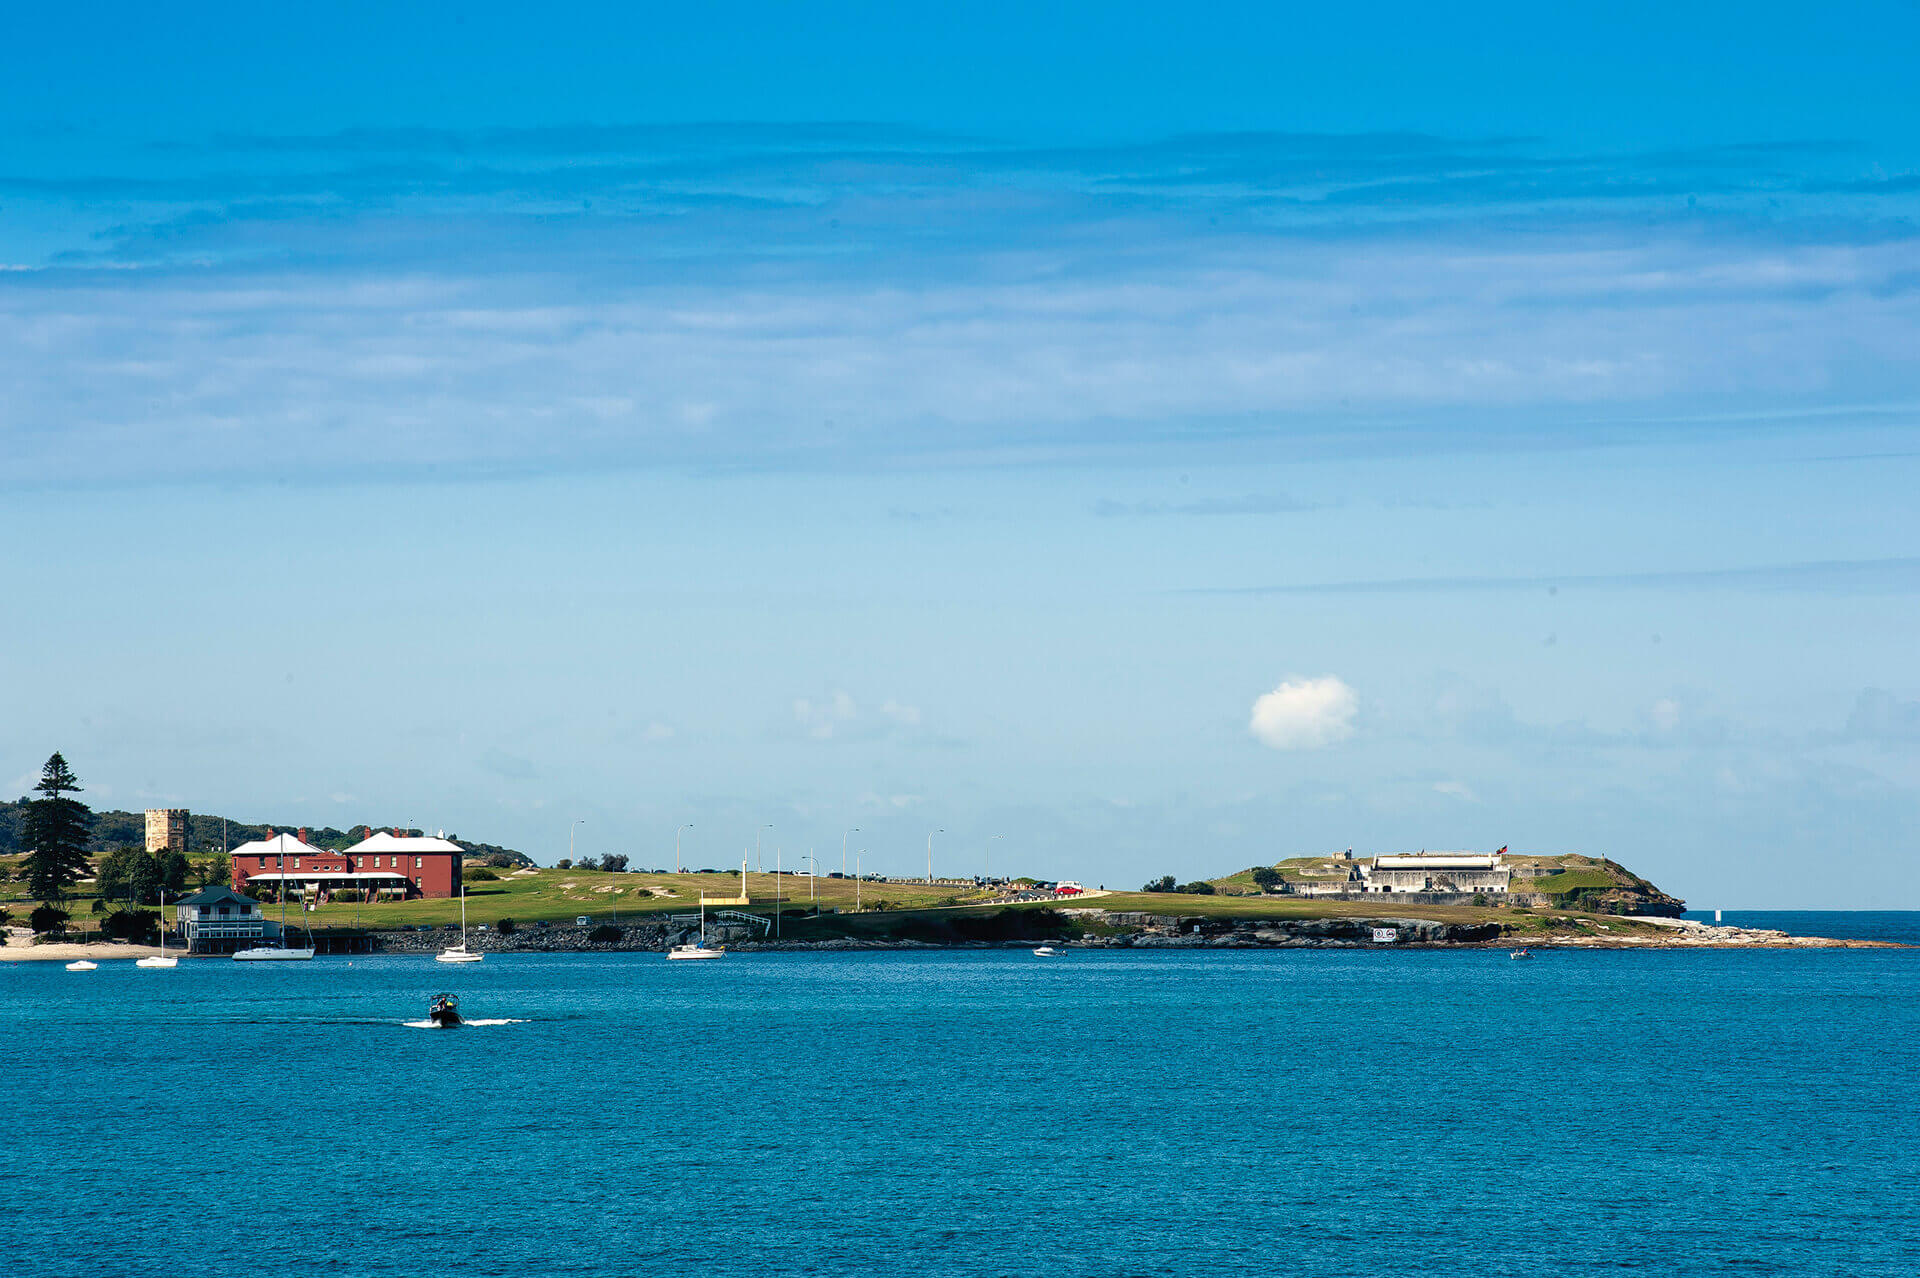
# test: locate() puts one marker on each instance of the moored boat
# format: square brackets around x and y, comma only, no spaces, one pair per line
[82,965]
[1522,953]
[1047,951]
[698,950]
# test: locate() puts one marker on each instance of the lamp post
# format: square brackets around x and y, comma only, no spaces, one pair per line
[757,866]
[676,846]
[930,834]
[843,850]
[990,839]
[857,878]
[577,822]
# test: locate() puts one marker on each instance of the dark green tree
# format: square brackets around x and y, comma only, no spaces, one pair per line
[55,833]
[1265,877]
[1162,884]
[125,874]
[172,869]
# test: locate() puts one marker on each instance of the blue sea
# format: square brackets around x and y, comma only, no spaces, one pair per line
[1106,1113]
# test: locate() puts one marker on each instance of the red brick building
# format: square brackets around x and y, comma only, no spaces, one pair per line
[395,867]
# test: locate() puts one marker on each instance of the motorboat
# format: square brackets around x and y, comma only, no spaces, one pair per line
[445,1009]
[698,950]
[162,959]
[460,953]
[272,954]
[1047,951]
[1522,953]
[82,965]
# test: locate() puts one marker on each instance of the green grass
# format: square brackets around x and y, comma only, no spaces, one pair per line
[559,896]
[1568,881]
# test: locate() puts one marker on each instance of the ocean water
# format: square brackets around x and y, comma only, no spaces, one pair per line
[1105,1113]
[1901,926]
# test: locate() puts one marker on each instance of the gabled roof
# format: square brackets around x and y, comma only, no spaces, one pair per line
[386,842]
[213,895]
[278,845]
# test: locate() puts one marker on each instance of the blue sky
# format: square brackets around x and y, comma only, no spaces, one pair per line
[1169,443]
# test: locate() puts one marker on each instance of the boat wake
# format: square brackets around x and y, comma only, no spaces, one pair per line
[499,1020]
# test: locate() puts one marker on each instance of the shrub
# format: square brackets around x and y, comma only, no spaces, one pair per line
[563,864]
[613,864]
[605,934]
[505,927]
[499,861]
[349,895]
[1196,888]
[479,874]
[1162,884]
[47,918]
[130,925]
[1265,877]
[1479,898]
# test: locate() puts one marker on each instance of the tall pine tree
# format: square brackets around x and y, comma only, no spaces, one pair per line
[55,833]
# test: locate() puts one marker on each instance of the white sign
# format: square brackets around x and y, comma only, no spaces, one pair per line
[1386,935]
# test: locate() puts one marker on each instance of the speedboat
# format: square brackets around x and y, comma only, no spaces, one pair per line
[445,1009]
[82,965]
[1047,951]
[1521,954]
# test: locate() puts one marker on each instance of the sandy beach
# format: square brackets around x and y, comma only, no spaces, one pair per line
[18,950]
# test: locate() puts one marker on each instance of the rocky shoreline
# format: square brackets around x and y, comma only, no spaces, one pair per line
[1113,931]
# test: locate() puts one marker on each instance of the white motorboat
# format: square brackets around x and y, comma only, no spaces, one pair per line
[460,953]
[81,965]
[1047,951]
[1520,954]
[699,949]
[162,959]
[272,954]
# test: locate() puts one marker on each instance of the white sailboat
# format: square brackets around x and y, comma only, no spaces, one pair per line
[460,953]
[82,965]
[698,950]
[162,959]
[278,953]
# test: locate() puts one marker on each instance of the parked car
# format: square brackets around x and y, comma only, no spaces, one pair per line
[582,921]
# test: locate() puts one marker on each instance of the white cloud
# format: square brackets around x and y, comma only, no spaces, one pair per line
[820,719]
[1456,790]
[657,731]
[906,715]
[1305,714]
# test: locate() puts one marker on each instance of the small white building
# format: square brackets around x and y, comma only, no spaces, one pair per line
[1438,872]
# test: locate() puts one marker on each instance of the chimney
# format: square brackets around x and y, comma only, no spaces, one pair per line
[303,834]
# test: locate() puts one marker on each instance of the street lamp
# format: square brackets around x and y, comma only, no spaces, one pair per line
[577,822]
[676,846]
[843,850]
[930,835]
[990,839]
[757,867]
[857,879]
